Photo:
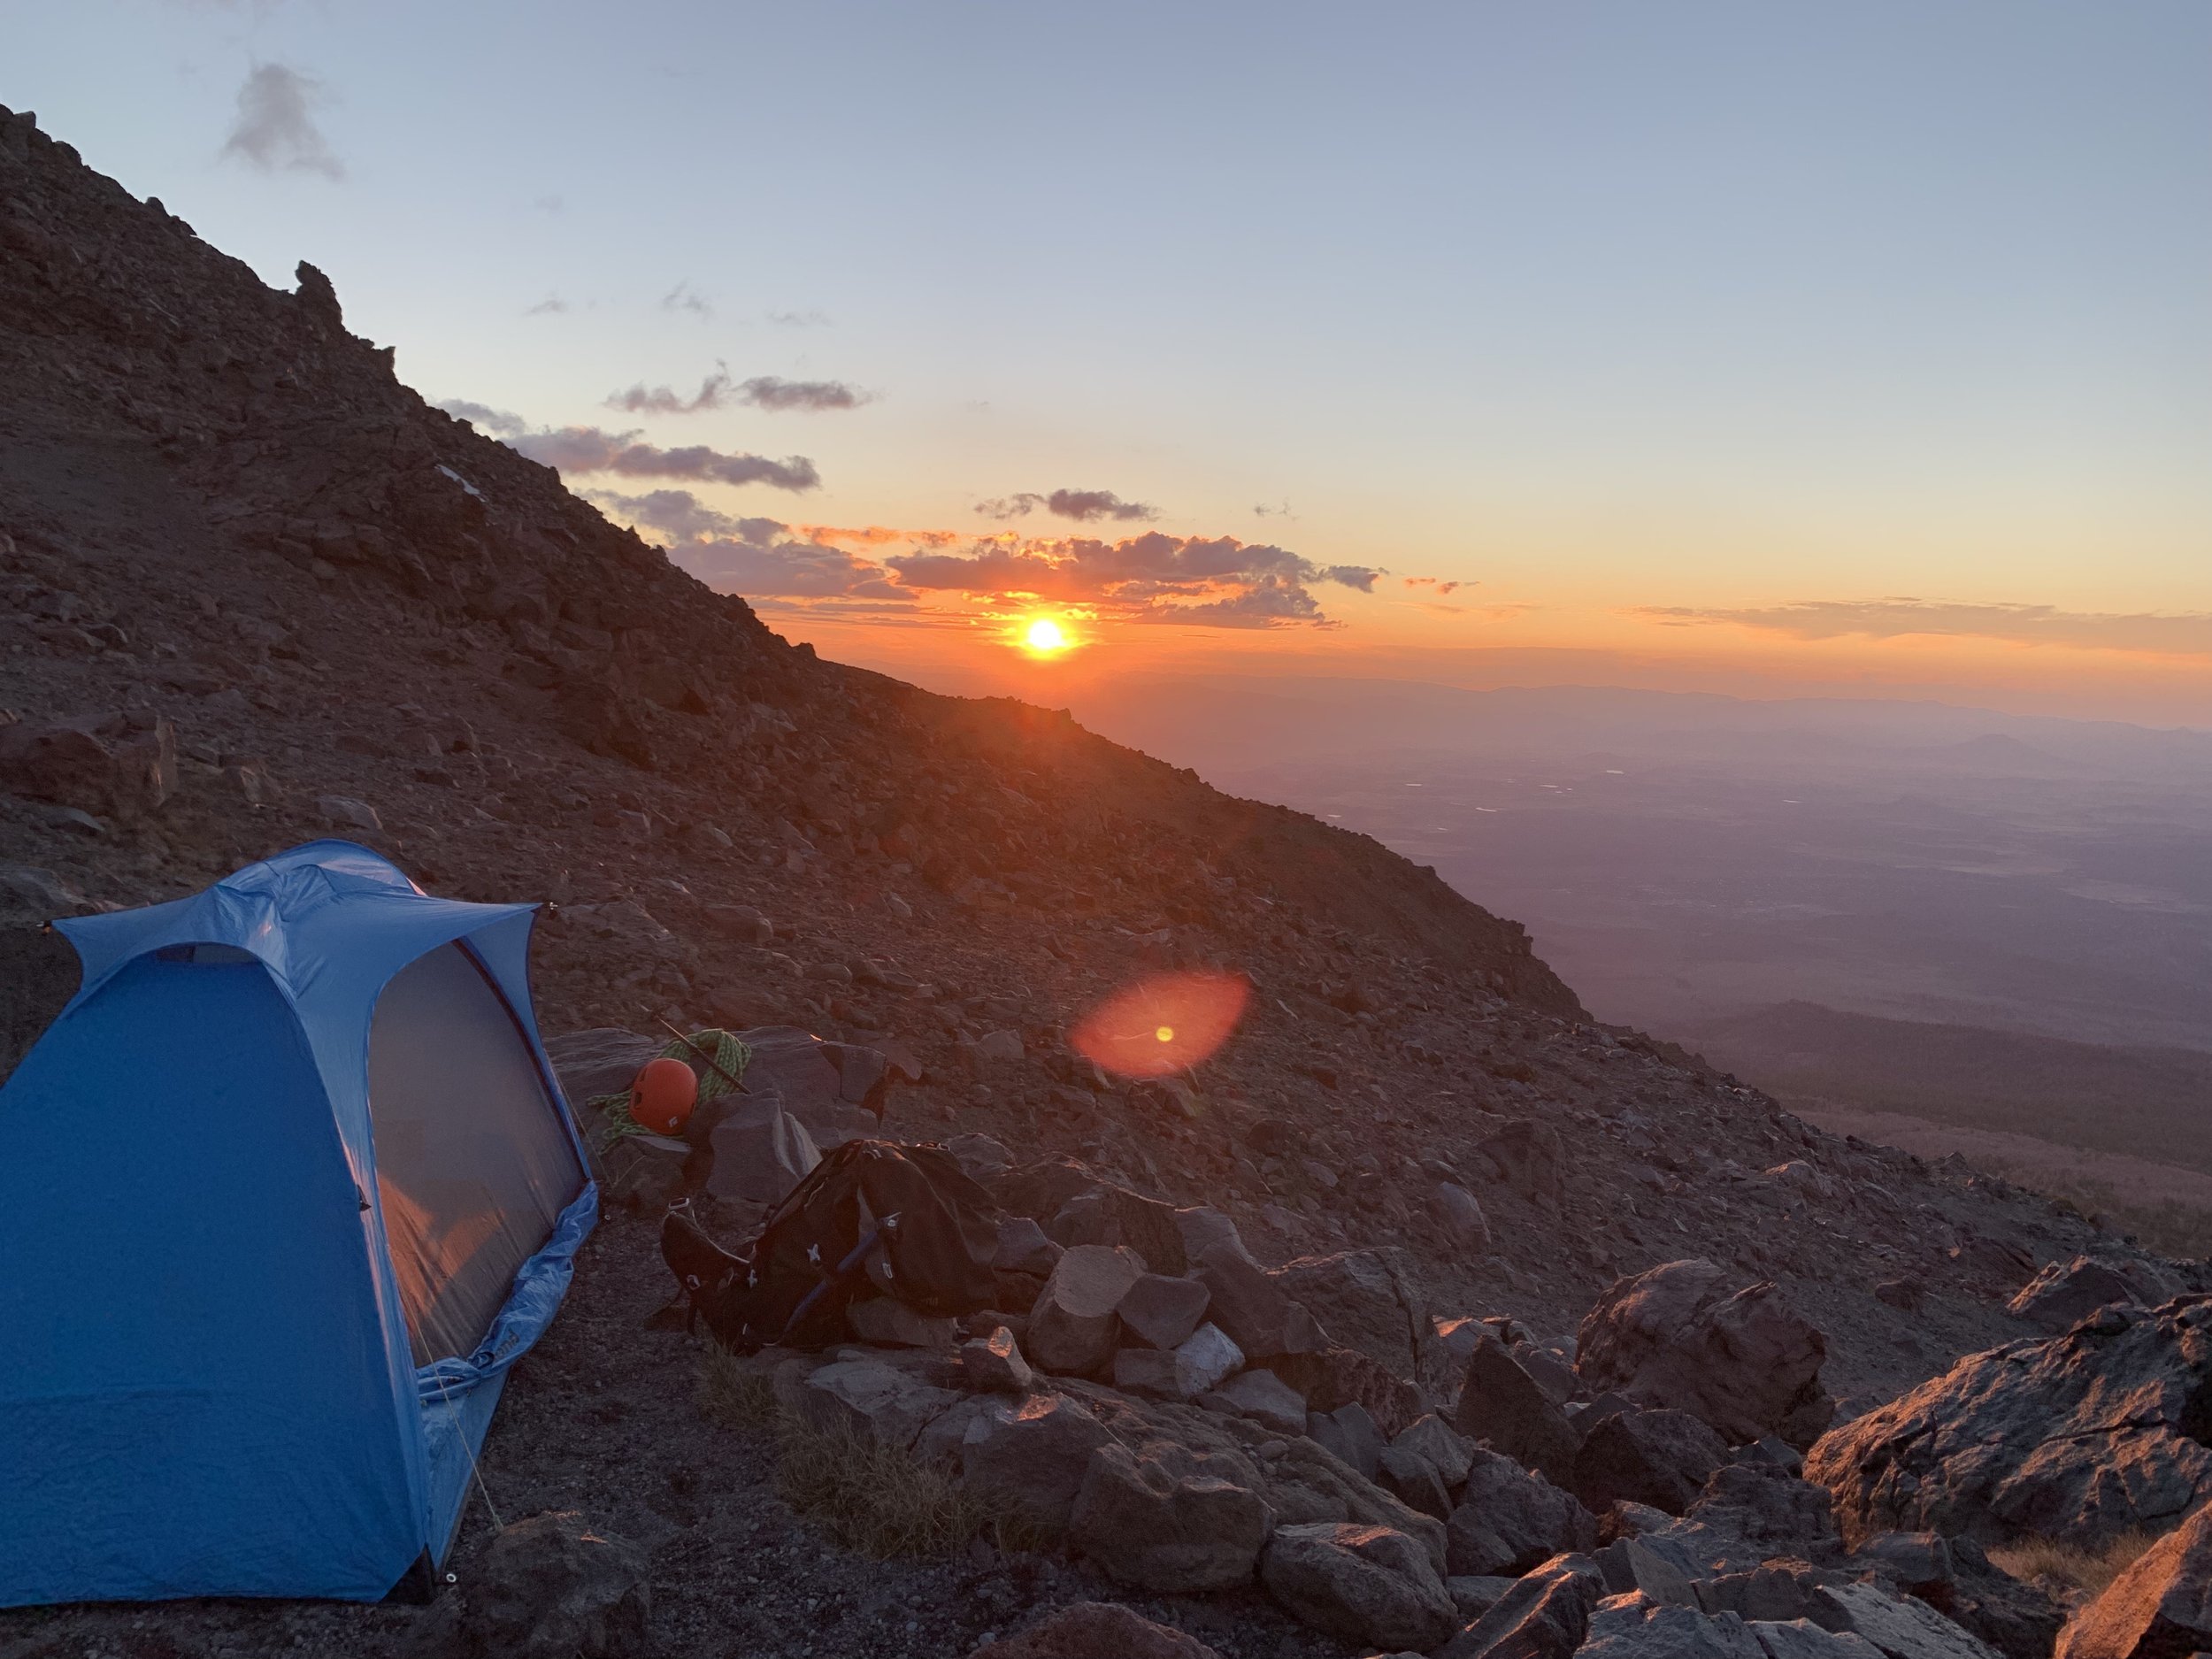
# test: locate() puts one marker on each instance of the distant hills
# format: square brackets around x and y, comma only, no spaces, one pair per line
[2154,1102]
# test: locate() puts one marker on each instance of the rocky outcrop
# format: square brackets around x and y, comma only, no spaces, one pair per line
[1167,1520]
[2066,1292]
[1692,1336]
[1659,1458]
[1545,1615]
[1365,1585]
[2077,1437]
[1500,1402]
[1508,1521]
[2160,1608]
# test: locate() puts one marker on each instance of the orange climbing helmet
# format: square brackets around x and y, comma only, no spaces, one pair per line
[661,1095]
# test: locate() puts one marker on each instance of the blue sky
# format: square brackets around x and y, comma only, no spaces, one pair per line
[1646,323]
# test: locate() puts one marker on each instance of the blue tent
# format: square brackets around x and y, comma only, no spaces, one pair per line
[284,1191]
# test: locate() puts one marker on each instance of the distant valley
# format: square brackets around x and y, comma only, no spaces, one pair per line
[1979,920]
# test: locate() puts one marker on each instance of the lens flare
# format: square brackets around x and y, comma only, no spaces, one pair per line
[1163,1023]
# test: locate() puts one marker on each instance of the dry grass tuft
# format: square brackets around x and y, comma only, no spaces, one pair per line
[732,1392]
[2089,1570]
[871,1498]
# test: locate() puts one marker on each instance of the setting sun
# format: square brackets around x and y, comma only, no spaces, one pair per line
[1045,637]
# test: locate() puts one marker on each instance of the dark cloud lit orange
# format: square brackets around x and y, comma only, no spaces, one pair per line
[1163,1024]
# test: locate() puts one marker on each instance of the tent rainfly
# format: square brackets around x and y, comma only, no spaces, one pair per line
[284,1191]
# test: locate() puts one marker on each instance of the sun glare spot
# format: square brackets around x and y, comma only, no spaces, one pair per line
[1044,637]
[1164,1034]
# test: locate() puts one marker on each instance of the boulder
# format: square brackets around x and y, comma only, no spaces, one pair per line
[1508,1521]
[887,1321]
[1258,1315]
[979,1157]
[1903,1627]
[1349,1435]
[108,767]
[2061,1296]
[1545,1615]
[2077,1437]
[1769,1512]
[1342,1376]
[1662,1458]
[1266,1398]
[761,1152]
[1096,1630]
[1474,1595]
[870,1398]
[1802,1638]
[1364,1300]
[1306,1482]
[1204,1359]
[344,812]
[1364,1585]
[1414,1479]
[1027,1458]
[1444,1449]
[644,1174]
[1458,1214]
[1162,1312]
[1201,1227]
[1916,1563]
[1162,1520]
[2160,1608]
[1634,1626]
[600,1061]
[1072,1326]
[993,1363]
[836,1089]
[1632,1566]
[1107,1213]
[1690,1336]
[1024,1248]
[553,1587]
[1501,1404]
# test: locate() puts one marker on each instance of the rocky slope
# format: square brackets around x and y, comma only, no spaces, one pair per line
[253,590]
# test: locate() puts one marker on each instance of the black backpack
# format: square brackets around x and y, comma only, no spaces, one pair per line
[874,1217]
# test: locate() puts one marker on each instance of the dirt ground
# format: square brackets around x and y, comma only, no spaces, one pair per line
[601,1417]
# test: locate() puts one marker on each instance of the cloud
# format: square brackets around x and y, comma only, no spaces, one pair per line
[548,204]
[590,449]
[552,304]
[713,391]
[2183,635]
[684,297]
[275,129]
[1263,511]
[1082,505]
[752,556]
[764,391]
[767,392]
[1270,602]
[799,319]
[1430,581]
[1215,581]
[497,421]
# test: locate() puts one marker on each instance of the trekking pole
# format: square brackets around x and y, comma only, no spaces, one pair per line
[707,1059]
